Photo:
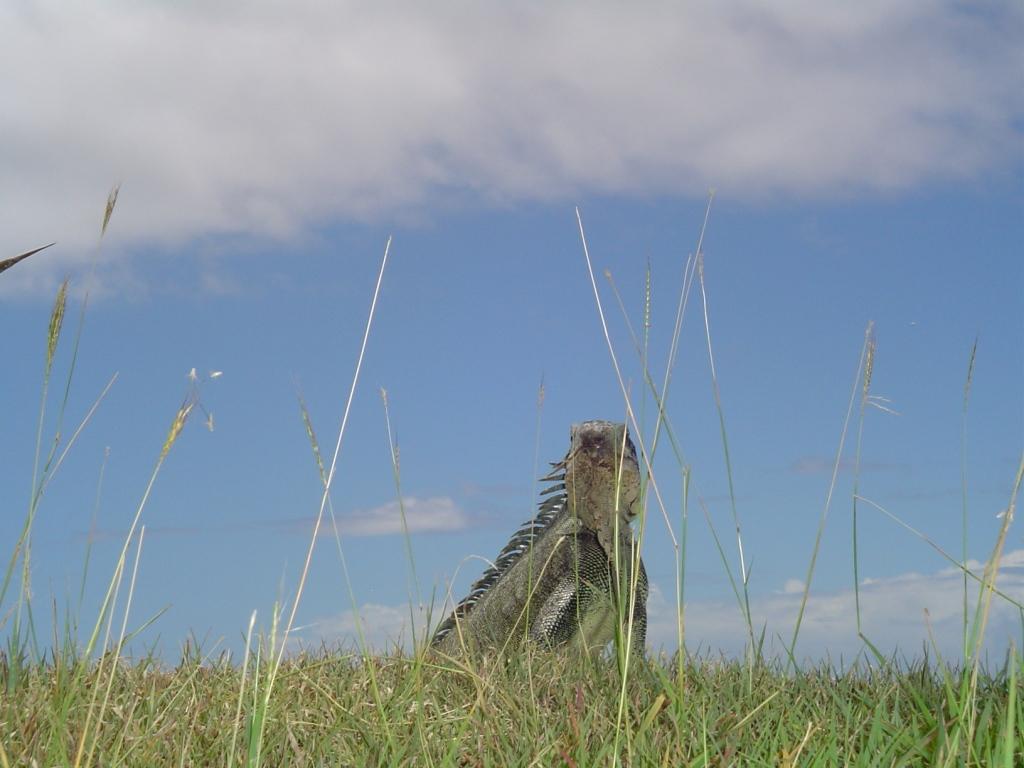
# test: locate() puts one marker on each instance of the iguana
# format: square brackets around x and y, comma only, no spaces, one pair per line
[556,581]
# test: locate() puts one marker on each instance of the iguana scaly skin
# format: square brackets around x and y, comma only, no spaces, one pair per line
[565,576]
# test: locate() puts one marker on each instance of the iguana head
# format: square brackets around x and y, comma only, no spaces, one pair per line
[602,477]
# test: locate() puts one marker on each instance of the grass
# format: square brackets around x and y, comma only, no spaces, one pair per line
[323,712]
[74,705]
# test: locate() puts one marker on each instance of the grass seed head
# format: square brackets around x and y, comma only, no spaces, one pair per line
[869,359]
[111,203]
[56,322]
[176,426]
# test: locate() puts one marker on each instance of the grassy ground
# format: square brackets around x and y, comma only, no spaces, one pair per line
[343,709]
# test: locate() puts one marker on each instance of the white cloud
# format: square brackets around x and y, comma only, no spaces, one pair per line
[893,615]
[256,118]
[438,513]
[792,587]
[383,627]
[892,611]
[822,465]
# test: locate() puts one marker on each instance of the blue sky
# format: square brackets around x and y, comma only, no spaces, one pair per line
[867,165]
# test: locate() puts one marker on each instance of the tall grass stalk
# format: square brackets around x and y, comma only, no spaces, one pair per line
[828,498]
[534,492]
[364,648]
[638,544]
[869,364]
[328,480]
[333,466]
[663,420]
[662,417]
[642,356]
[987,590]
[40,476]
[684,517]
[241,690]
[963,483]
[91,536]
[260,704]
[108,213]
[679,549]
[78,431]
[114,653]
[645,455]
[955,562]
[660,398]
[41,479]
[638,347]
[737,592]
[44,480]
[633,423]
[173,433]
[963,697]
[744,573]
[645,349]
[684,297]
[106,611]
[25,541]
[1013,732]
[415,597]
